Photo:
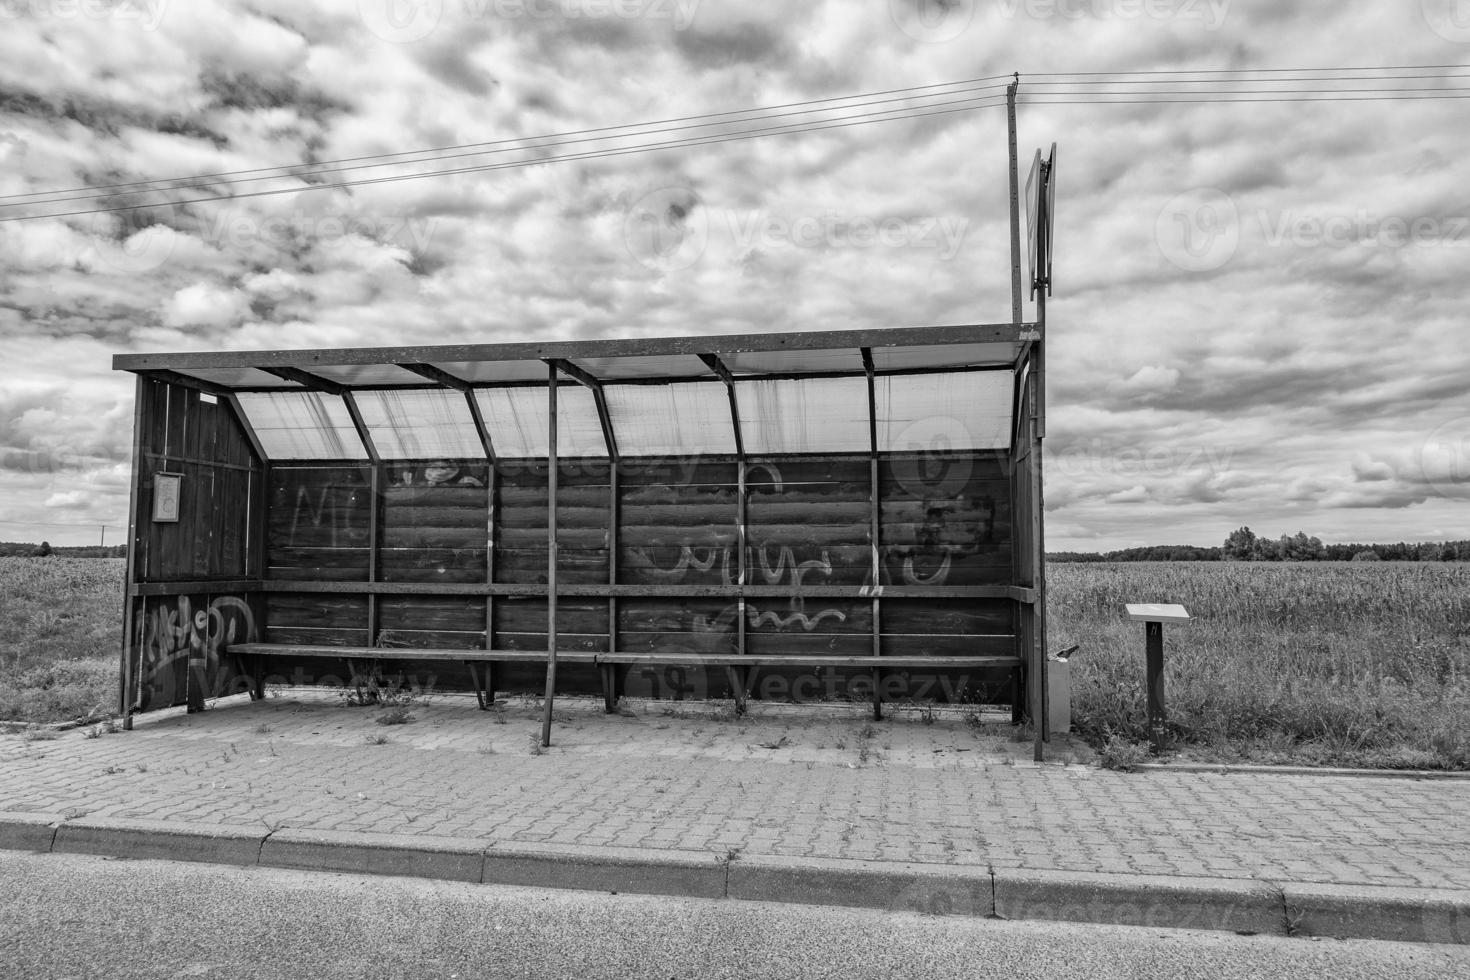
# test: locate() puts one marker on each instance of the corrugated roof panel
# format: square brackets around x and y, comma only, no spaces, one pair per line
[794,361]
[368,374]
[686,419]
[518,420]
[810,415]
[938,412]
[420,424]
[490,372]
[302,425]
[652,366]
[240,377]
[944,355]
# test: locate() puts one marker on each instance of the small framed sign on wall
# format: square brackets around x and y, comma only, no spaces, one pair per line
[166,487]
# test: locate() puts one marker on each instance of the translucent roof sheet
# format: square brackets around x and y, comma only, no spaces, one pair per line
[785,361]
[518,421]
[369,374]
[651,366]
[811,415]
[419,424]
[686,419]
[241,377]
[490,372]
[946,355]
[302,425]
[936,412]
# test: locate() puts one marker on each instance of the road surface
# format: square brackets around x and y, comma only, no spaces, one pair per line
[70,916]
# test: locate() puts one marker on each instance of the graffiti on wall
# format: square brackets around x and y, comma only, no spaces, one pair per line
[186,629]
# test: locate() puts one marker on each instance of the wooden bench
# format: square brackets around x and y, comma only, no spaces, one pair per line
[739,667]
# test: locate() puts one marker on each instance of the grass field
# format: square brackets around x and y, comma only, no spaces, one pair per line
[1363,664]
[1325,663]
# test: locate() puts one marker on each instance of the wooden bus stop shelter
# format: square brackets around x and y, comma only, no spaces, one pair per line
[786,516]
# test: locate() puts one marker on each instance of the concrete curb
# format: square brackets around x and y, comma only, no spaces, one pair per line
[1225,769]
[27,831]
[447,858]
[696,874]
[1421,915]
[1409,915]
[1229,904]
[159,840]
[925,888]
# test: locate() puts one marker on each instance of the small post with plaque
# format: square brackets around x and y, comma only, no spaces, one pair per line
[1154,615]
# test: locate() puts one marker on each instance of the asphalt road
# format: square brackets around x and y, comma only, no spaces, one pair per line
[67,916]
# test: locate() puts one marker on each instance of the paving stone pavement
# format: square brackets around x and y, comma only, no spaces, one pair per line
[801,782]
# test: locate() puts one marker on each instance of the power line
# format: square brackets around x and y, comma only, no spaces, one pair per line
[887,115]
[1064,88]
[329,166]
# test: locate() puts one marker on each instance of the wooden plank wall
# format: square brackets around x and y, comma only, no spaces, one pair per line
[199,438]
[944,520]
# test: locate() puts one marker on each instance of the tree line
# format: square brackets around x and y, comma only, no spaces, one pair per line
[27,549]
[1243,544]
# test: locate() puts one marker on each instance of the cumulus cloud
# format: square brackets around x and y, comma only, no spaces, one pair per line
[1303,378]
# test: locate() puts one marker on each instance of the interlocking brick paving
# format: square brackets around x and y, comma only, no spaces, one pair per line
[784,780]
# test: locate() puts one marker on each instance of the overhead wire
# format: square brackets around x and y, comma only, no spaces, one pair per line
[1061,88]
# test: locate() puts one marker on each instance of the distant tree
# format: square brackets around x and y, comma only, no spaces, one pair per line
[1299,547]
[44,551]
[1367,554]
[1264,549]
[1240,545]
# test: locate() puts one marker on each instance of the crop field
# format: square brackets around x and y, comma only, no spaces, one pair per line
[1364,664]
[1321,663]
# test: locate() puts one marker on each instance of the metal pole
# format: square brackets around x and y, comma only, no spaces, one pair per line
[1015,202]
[551,475]
[1154,648]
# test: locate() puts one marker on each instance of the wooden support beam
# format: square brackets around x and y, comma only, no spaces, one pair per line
[306,379]
[185,381]
[438,375]
[598,397]
[481,428]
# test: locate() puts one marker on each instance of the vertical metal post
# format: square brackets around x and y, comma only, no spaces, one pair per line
[551,480]
[1153,634]
[127,694]
[1015,202]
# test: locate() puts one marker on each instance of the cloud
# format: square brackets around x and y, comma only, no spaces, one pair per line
[69,500]
[205,305]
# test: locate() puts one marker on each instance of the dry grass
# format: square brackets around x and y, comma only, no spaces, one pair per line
[1321,663]
[60,625]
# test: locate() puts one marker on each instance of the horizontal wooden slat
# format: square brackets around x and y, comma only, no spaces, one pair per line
[625,657]
[377,653]
[318,636]
[681,589]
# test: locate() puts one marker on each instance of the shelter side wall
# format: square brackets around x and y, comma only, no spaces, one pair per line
[191,565]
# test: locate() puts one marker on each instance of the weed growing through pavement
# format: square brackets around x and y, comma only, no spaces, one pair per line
[262,729]
[1122,754]
[377,738]
[394,716]
[535,740]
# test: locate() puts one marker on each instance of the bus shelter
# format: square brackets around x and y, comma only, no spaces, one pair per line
[785,516]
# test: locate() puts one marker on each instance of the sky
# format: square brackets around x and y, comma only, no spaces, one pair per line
[1259,310]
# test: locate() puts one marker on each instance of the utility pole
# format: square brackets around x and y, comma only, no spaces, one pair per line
[1015,202]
